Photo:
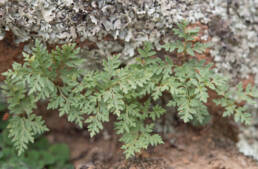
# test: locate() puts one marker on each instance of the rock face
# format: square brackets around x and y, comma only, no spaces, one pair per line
[106,27]
[120,26]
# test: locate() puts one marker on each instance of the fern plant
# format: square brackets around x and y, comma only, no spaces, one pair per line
[41,155]
[186,46]
[129,93]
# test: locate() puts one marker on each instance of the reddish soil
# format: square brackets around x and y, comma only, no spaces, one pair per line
[9,52]
[187,148]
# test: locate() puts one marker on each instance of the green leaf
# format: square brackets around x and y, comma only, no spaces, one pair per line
[147,50]
[200,47]
[111,64]
[94,126]
[190,51]
[180,47]
[22,131]
[2,106]
[193,30]
[229,110]
[242,117]
[157,112]
[141,138]
[170,47]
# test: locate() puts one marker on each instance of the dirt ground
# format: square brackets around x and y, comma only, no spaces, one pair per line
[9,52]
[210,147]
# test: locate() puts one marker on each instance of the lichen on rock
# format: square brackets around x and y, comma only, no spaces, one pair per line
[128,22]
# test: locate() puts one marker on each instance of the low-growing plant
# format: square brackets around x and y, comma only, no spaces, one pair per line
[2,106]
[41,155]
[129,93]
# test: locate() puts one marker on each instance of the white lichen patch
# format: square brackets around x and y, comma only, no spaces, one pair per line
[237,34]
[129,22]
[132,22]
[248,144]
